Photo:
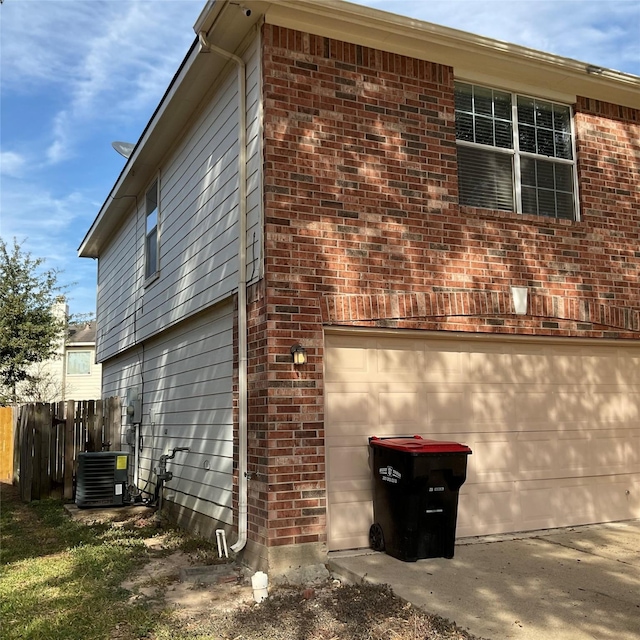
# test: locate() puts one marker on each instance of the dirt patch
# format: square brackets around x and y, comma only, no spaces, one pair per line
[210,597]
[330,611]
[224,607]
[198,595]
[187,590]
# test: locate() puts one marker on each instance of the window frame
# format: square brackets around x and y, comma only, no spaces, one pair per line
[517,154]
[75,352]
[152,271]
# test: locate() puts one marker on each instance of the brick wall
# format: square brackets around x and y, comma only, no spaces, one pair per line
[362,228]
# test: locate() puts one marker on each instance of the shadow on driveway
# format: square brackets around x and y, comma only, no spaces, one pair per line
[580,583]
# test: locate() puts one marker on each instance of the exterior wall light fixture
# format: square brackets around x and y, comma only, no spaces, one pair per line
[299,354]
[519,296]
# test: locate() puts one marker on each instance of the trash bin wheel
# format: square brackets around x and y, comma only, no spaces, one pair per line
[376,537]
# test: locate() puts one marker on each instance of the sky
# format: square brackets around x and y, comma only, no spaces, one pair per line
[76,75]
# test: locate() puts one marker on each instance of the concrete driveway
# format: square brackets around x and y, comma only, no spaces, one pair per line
[580,583]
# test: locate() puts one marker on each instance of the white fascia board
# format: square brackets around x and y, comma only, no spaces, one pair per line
[207,16]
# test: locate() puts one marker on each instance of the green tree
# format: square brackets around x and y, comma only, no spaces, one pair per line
[29,328]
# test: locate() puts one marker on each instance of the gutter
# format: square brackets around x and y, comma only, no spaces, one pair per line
[207,47]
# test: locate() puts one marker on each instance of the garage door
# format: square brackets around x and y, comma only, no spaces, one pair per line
[554,426]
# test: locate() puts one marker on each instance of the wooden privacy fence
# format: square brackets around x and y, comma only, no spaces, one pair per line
[6,443]
[48,438]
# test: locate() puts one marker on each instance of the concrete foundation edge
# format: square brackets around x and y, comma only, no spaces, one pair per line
[284,560]
[281,560]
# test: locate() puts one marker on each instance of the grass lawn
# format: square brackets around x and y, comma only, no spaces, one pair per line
[60,580]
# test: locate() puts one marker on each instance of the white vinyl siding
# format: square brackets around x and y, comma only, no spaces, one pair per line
[119,374]
[185,377]
[199,225]
[120,276]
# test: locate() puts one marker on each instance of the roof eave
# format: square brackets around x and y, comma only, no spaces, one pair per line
[470,55]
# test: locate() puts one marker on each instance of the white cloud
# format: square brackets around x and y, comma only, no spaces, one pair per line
[106,61]
[30,211]
[39,40]
[59,149]
[11,163]
[51,228]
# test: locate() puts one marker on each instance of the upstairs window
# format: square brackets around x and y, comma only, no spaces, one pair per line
[151,232]
[515,153]
[78,363]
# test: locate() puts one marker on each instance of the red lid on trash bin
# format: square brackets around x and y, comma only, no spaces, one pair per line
[418,444]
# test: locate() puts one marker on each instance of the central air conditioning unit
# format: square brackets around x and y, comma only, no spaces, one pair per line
[101,480]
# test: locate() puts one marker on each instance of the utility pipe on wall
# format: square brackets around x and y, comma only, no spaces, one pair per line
[136,455]
[206,47]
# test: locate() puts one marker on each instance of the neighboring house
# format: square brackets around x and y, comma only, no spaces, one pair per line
[72,373]
[380,191]
[82,375]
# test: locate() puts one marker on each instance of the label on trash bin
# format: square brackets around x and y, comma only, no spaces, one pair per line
[389,474]
[434,510]
[432,489]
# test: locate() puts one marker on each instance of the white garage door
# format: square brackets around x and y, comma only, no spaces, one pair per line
[554,425]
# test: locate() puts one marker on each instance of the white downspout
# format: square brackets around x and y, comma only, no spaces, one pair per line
[205,47]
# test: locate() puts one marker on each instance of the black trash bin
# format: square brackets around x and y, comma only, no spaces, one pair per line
[415,498]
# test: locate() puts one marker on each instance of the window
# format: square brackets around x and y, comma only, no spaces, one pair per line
[515,153]
[78,363]
[151,231]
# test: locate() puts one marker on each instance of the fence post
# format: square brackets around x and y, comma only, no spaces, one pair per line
[6,443]
[93,436]
[100,431]
[115,422]
[26,452]
[59,422]
[53,449]
[69,437]
[80,431]
[17,443]
[36,431]
[43,431]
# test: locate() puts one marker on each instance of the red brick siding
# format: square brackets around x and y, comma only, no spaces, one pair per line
[362,227]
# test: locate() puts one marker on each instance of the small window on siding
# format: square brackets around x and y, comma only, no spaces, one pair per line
[515,153]
[78,363]
[151,231]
